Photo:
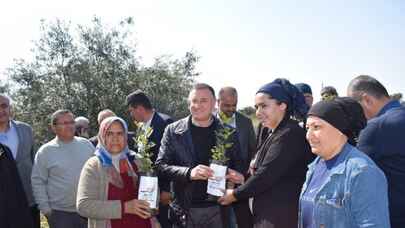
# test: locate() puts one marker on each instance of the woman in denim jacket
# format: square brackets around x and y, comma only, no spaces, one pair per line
[343,187]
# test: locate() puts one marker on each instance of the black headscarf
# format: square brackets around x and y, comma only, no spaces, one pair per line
[282,90]
[344,113]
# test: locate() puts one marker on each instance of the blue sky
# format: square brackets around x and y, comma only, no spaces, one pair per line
[241,43]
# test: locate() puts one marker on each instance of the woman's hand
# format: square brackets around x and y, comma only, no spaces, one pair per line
[235,177]
[138,207]
[228,198]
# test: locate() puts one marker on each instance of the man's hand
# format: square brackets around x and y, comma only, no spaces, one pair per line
[138,207]
[201,172]
[235,177]
[227,198]
[165,198]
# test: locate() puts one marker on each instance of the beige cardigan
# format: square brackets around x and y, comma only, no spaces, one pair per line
[92,196]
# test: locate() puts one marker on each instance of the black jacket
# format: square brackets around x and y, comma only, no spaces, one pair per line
[159,123]
[14,210]
[281,165]
[177,157]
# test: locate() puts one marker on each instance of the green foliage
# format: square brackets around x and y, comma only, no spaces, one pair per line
[144,146]
[396,96]
[222,140]
[88,68]
[4,87]
[248,111]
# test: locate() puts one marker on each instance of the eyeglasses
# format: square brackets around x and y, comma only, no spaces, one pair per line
[66,123]
[4,106]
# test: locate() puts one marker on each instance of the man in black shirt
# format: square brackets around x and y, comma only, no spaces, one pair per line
[184,158]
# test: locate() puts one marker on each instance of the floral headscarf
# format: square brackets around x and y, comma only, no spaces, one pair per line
[106,159]
[105,156]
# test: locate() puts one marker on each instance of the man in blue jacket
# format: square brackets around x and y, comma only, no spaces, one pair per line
[383,139]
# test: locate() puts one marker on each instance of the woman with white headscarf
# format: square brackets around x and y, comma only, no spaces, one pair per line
[107,192]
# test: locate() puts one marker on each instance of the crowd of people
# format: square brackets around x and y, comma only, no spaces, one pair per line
[338,162]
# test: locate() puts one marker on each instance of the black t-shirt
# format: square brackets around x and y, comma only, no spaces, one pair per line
[203,141]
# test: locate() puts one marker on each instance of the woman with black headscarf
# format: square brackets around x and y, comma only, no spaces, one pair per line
[281,160]
[343,188]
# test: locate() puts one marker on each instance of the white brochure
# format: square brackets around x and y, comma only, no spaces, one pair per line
[149,190]
[216,184]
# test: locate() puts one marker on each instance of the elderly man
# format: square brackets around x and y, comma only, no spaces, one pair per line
[383,139]
[56,172]
[18,137]
[82,127]
[184,158]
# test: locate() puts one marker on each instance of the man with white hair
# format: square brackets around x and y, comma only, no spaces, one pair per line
[18,137]
[82,127]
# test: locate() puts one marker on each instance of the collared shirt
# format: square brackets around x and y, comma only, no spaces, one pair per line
[148,123]
[232,120]
[388,106]
[10,139]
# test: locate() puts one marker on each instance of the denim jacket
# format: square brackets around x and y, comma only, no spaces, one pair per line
[353,195]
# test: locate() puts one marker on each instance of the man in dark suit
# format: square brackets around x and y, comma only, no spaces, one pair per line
[141,110]
[383,138]
[227,104]
[18,137]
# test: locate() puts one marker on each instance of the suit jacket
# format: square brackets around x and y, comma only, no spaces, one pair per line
[14,210]
[275,186]
[383,141]
[247,139]
[25,157]
[247,142]
[158,124]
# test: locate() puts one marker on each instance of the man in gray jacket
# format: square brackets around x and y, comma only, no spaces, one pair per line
[56,172]
[18,137]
